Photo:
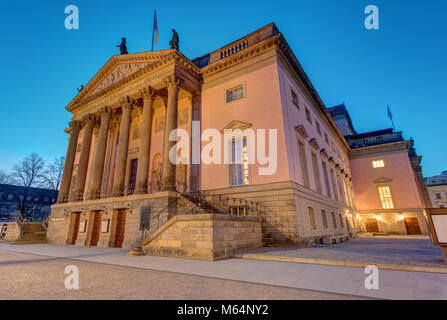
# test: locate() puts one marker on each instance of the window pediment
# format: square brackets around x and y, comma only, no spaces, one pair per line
[302,131]
[237,124]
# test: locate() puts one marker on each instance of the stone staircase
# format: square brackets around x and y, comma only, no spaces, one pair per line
[33,233]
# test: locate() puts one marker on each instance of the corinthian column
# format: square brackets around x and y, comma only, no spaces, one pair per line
[99,157]
[123,145]
[89,121]
[69,161]
[145,144]
[172,83]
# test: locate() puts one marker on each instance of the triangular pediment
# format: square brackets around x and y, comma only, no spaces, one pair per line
[324,154]
[314,144]
[383,180]
[300,129]
[236,124]
[118,69]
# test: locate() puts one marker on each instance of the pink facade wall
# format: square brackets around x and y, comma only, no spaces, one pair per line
[261,107]
[294,116]
[404,188]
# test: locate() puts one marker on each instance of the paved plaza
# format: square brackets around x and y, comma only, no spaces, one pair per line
[106,269]
[397,251]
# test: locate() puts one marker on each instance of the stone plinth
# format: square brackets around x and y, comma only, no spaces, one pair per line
[204,236]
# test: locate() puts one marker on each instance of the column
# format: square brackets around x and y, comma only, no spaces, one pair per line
[99,157]
[195,142]
[69,161]
[145,143]
[123,145]
[172,83]
[89,121]
[105,176]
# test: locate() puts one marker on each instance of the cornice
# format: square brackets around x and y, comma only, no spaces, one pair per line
[241,56]
[169,57]
[394,147]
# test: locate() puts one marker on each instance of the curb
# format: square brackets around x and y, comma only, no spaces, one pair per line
[252,256]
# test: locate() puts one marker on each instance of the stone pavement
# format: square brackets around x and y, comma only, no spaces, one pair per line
[27,276]
[332,279]
[415,252]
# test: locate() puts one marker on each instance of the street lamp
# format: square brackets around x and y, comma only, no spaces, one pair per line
[437,222]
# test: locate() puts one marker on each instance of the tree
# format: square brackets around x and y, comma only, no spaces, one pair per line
[28,174]
[5,178]
[52,175]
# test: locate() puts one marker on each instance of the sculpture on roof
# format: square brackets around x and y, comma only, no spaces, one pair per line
[174,43]
[122,46]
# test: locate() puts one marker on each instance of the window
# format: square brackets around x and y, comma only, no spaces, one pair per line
[308,116]
[441,206]
[239,166]
[341,221]
[10,197]
[326,138]
[136,132]
[378,164]
[313,225]
[326,179]
[334,186]
[438,195]
[318,127]
[334,221]
[316,173]
[302,156]
[295,99]
[159,124]
[385,197]
[235,93]
[324,217]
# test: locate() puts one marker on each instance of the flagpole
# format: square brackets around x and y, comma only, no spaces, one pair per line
[153,30]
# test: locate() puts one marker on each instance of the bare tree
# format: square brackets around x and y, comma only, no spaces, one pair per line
[52,175]
[28,174]
[5,178]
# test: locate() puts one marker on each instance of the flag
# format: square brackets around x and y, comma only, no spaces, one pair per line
[155,27]
[390,115]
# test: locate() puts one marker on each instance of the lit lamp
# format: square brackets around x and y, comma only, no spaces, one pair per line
[437,222]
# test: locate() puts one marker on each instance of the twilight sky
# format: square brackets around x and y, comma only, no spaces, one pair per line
[402,64]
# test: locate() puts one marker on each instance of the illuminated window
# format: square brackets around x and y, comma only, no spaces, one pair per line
[378,164]
[239,167]
[385,197]
[235,93]
[313,225]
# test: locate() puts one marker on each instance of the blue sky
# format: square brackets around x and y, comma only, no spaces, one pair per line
[402,64]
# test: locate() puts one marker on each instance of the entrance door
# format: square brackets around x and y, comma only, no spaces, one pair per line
[120,225]
[371,225]
[133,175]
[412,226]
[96,228]
[76,217]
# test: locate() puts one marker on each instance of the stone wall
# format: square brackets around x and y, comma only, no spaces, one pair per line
[13,232]
[204,236]
[61,222]
[285,212]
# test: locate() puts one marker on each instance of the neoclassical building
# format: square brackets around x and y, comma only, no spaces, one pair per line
[437,189]
[119,185]
[389,188]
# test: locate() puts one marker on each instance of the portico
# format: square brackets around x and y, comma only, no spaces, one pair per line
[114,138]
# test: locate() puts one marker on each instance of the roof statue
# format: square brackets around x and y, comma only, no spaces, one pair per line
[122,46]
[174,43]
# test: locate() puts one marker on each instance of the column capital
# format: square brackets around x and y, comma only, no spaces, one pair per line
[89,119]
[75,125]
[173,81]
[148,93]
[127,102]
[105,113]
[195,98]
